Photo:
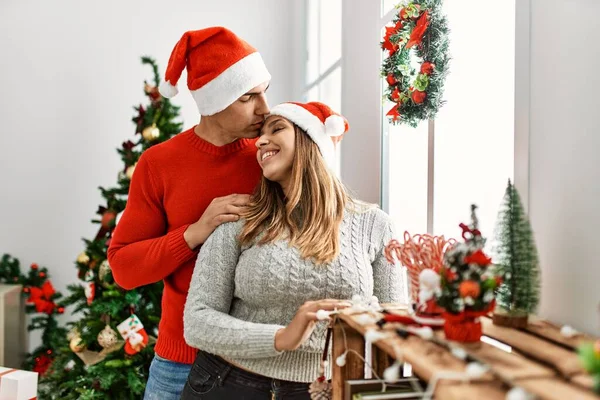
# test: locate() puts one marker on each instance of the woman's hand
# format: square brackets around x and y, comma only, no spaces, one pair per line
[303,324]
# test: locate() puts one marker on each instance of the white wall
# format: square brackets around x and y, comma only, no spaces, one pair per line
[564,187]
[70,75]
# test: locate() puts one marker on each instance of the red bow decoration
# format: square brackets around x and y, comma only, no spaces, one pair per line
[465,229]
[393,113]
[389,32]
[139,120]
[419,31]
[42,298]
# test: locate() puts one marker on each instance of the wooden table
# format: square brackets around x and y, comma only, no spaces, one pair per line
[541,361]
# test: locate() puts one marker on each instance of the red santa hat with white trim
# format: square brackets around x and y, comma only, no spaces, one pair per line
[221,67]
[324,126]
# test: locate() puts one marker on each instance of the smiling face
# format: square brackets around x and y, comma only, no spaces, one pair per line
[276,149]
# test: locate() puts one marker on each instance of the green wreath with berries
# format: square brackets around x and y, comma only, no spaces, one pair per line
[417,62]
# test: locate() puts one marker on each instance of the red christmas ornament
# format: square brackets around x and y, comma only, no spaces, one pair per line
[42,363]
[418,97]
[34,266]
[396,95]
[427,68]
[60,310]
[108,219]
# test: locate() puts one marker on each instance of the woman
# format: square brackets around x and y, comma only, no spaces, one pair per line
[302,245]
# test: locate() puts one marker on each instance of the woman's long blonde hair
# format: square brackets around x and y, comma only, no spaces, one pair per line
[310,217]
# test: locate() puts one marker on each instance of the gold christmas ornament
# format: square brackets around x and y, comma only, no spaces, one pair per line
[83,258]
[151,133]
[74,332]
[129,171]
[77,345]
[107,337]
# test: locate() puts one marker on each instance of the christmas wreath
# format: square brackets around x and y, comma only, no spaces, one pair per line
[417,62]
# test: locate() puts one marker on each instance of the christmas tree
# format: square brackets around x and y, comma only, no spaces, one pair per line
[516,259]
[108,350]
[41,300]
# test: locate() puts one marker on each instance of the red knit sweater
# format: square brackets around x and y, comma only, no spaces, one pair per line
[172,185]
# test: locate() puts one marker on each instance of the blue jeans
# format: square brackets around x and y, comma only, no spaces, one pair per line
[166,379]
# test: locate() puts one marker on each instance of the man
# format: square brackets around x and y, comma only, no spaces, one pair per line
[184,188]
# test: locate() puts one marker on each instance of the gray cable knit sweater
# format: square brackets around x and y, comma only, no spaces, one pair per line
[240,296]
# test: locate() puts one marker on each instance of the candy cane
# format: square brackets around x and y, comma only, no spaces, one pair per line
[417,253]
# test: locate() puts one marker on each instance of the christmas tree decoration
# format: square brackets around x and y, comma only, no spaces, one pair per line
[107,338]
[516,260]
[108,219]
[417,63]
[83,258]
[468,284]
[151,133]
[105,274]
[132,331]
[101,370]
[76,344]
[129,171]
[90,292]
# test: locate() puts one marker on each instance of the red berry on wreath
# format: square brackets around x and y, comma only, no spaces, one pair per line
[427,68]
[34,266]
[42,274]
[418,97]
[391,80]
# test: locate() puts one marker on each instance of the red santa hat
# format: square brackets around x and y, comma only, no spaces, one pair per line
[221,67]
[321,123]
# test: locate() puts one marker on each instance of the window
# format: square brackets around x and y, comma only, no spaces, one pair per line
[433,173]
[323,77]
